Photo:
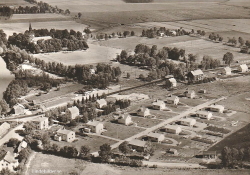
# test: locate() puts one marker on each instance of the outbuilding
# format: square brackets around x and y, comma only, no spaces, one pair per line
[171,82]
[19,109]
[195,75]
[4,127]
[101,103]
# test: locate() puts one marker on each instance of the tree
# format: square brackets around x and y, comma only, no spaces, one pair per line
[23,154]
[132,33]
[124,148]
[79,15]
[226,157]
[128,75]
[192,57]
[149,149]
[13,142]
[241,41]
[6,171]
[105,152]
[84,151]
[228,58]
[4,106]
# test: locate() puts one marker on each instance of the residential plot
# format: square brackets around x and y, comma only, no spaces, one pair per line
[145,122]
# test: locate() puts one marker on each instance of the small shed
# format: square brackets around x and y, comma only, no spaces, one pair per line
[209,154]
[172,151]
[21,146]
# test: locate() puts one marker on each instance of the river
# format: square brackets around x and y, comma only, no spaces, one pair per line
[5,77]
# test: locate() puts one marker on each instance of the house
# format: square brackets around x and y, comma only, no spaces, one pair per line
[243,68]
[226,71]
[92,71]
[4,127]
[195,75]
[216,108]
[209,154]
[101,103]
[174,129]
[172,151]
[65,135]
[95,127]
[138,145]
[41,122]
[155,137]
[202,91]
[171,82]
[125,119]
[72,112]
[173,100]
[143,112]
[159,105]
[7,160]
[18,109]
[21,146]
[190,94]
[204,114]
[188,122]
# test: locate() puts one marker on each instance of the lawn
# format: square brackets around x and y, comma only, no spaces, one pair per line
[120,131]
[14,3]
[145,122]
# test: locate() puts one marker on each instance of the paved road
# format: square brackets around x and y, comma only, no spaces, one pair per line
[12,134]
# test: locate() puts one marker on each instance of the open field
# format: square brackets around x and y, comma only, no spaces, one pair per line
[145,122]
[14,3]
[95,54]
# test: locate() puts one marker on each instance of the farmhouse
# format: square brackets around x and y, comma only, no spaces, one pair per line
[173,100]
[204,114]
[216,108]
[21,146]
[195,75]
[65,135]
[243,68]
[190,94]
[226,71]
[155,137]
[171,82]
[125,119]
[138,145]
[95,126]
[7,160]
[41,122]
[188,122]
[158,105]
[143,112]
[4,128]
[18,109]
[101,103]
[72,112]
[174,129]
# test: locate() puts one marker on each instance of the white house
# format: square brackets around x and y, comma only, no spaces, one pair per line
[243,68]
[92,71]
[8,161]
[204,114]
[159,105]
[21,146]
[41,122]
[125,119]
[173,151]
[173,100]
[95,127]
[226,71]
[101,103]
[155,137]
[171,82]
[190,94]
[72,112]
[19,109]
[143,112]
[65,135]
[188,122]
[174,129]
[138,145]
[217,108]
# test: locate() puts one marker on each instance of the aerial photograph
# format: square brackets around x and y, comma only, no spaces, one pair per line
[125,87]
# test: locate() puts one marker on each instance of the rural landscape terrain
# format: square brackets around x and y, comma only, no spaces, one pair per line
[124,87]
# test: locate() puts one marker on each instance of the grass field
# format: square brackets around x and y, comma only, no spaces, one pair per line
[14,3]
[145,122]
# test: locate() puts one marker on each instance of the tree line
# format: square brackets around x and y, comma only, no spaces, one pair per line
[6,11]
[113,35]
[156,32]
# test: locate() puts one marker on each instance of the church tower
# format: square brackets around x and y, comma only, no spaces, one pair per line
[30,28]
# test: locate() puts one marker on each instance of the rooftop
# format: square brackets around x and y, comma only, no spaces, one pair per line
[154,135]
[137,143]
[73,110]
[158,103]
[93,123]
[172,126]
[64,131]
[197,72]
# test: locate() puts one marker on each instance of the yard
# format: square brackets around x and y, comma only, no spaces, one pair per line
[145,122]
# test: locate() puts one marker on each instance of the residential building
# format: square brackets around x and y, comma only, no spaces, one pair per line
[226,71]
[190,94]
[41,122]
[155,137]
[92,71]
[173,100]
[65,135]
[243,68]
[188,122]
[209,154]
[7,160]
[159,105]
[204,114]
[173,151]
[174,129]
[171,82]
[138,145]
[95,127]
[72,112]
[4,127]
[125,119]
[21,146]
[217,108]
[143,112]
[101,103]
[18,109]
[195,75]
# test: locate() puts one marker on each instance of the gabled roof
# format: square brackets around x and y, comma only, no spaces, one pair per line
[64,131]
[172,80]
[73,110]
[139,143]
[227,69]
[18,105]
[197,72]
[101,102]
[158,103]
[154,135]
[94,123]
[124,116]
[23,144]
[217,106]
[142,109]
[244,66]
[9,157]
[203,112]
[174,127]
[187,120]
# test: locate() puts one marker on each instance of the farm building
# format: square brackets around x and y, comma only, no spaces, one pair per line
[226,71]
[216,108]
[92,71]
[155,137]
[41,122]
[173,100]
[172,151]
[18,109]
[204,114]
[21,146]
[125,119]
[190,94]
[188,122]
[101,103]
[175,129]
[65,135]
[7,160]
[195,75]
[243,68]
[138,145]
[143,112]
[95,126]
[209,154]
[159,105]
[72,112]
[171,82]
[4,128]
